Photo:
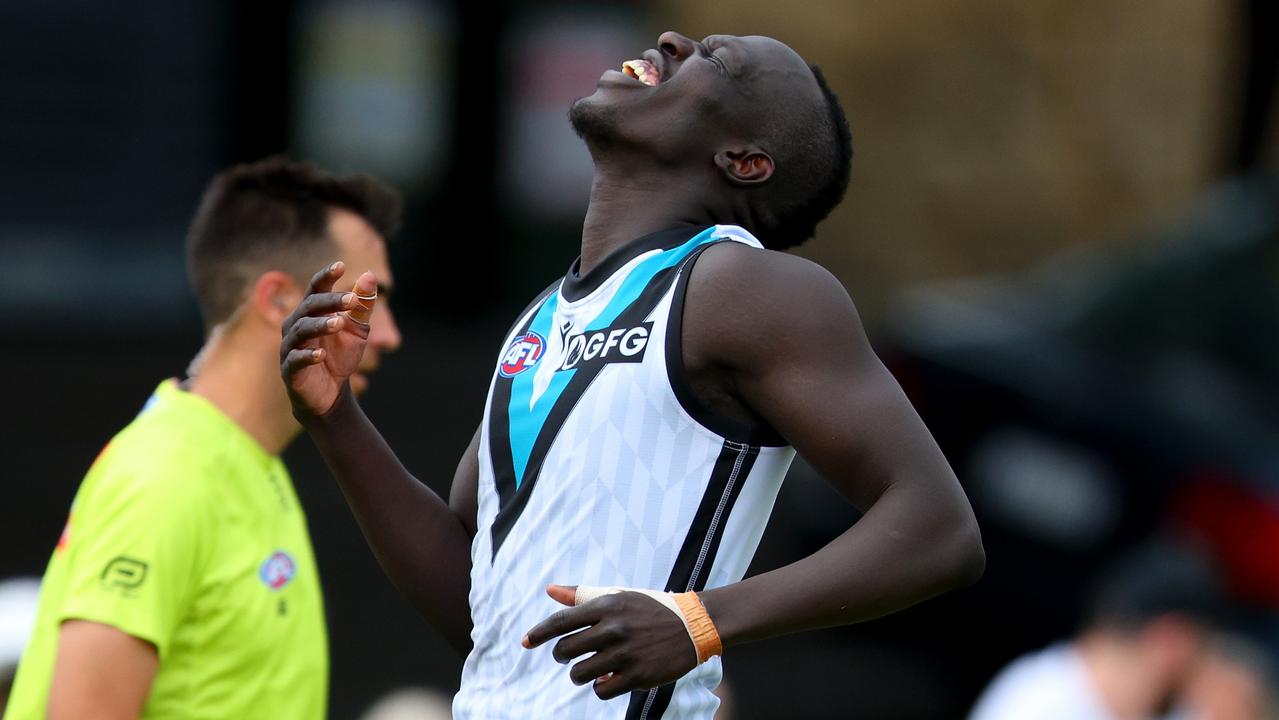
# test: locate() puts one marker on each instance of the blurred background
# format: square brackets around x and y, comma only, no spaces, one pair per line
[1063,233]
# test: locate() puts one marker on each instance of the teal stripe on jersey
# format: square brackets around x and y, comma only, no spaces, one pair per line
[525,417]
[640,277]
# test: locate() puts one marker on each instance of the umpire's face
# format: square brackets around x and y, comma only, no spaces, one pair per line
[362,248]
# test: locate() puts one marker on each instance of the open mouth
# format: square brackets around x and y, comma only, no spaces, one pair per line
[642,70]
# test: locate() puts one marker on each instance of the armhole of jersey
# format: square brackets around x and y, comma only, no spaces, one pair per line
[726,427]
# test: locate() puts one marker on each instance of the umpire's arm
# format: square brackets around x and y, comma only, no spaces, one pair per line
[101,672]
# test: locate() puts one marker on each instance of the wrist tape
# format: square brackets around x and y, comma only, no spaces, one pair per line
[686,606]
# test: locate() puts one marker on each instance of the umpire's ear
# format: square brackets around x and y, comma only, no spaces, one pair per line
[273,297]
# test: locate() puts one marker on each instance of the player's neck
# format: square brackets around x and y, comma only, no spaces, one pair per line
[626,205]
[240,377]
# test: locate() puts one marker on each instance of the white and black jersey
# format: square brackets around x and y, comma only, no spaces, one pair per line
[599,467]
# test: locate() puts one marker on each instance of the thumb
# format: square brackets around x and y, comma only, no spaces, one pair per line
[365,297]
[563,594]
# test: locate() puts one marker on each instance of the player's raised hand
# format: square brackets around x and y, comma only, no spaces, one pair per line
[324,339]
[634,641]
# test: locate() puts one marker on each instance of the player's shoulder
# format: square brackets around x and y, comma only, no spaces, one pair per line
[739,294]
[738,266]
[769,285]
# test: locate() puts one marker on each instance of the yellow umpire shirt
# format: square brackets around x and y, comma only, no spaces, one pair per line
[187,534]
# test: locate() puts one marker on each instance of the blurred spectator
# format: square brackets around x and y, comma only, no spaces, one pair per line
[18,599]
[411,704]
[1144,636]
[1233,681]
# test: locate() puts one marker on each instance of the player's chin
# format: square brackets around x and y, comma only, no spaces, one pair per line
[598,117]
[359,382]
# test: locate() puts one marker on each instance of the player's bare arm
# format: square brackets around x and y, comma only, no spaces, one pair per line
[101,672]
[422,543]
[773,338]
[819,384]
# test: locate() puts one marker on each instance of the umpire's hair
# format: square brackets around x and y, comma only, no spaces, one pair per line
[1160,578]
[273,215]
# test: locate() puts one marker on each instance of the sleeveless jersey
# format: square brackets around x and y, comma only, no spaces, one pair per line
[598,466]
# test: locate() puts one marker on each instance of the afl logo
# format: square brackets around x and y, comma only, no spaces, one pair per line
[522,354]
[278,570]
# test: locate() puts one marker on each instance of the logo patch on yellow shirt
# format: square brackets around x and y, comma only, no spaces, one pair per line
[124,573]
[278,570]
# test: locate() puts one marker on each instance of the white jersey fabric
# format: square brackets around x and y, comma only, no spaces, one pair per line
[599,467]
[1051,684]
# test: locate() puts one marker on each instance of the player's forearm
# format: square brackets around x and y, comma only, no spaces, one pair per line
[421,544]
[910,546]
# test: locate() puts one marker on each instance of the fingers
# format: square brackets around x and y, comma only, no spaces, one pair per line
[615,685]
[564,621]
[309,328]
[298,331]
[325,303]
[563,594]
[619,647]
[575,597]
[594,668]
[323,280]
[302,357]
[365,291]
[320,298]
[606,667]
[593,639]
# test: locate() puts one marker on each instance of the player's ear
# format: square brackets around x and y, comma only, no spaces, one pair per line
[274,296]
[746,165]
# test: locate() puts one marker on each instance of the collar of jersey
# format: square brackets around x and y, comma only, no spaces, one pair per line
[170,393]
[577,287]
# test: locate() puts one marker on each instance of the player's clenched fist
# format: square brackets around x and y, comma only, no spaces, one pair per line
[324,340]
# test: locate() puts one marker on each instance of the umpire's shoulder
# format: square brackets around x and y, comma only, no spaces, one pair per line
[156,461]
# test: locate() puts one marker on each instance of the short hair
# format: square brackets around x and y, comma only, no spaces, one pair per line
[1160,578]
[814,158]
[274,215]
